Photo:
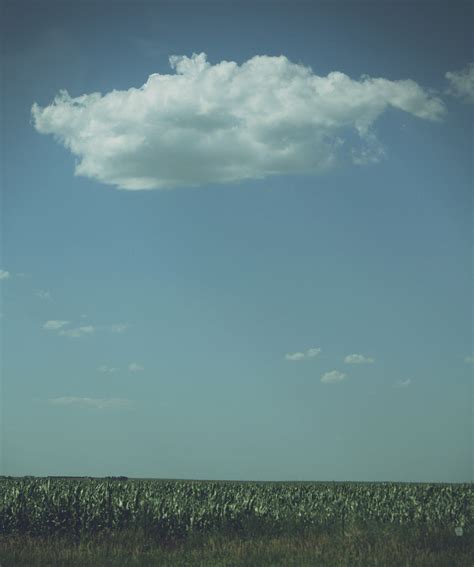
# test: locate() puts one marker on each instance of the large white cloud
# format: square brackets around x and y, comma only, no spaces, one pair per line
[462,83]
[226,122]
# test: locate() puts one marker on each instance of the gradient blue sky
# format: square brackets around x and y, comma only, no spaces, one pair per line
[196,295]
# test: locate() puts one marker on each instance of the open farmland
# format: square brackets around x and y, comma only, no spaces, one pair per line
[175,512]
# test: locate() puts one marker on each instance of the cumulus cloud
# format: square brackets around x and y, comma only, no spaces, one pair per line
[107,369]
[461,83]
[333,377]
[310,353]
[402,383]
[54,325]
[135,367]
[77,332]
[295,356]
[358,359]
[44,295]
[90,402]
[226,122]
[4,275]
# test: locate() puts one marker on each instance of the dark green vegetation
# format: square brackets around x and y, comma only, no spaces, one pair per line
[148,522]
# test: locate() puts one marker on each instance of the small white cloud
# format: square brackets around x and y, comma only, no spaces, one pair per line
[358,359]
[402,383]
[119,328]
[313,352]
[107,369]
[135,367]
[462,83]
[310,353]
[90,402]
[469,360]
[4,275]
[333,377]
[227,122]
[54,325]
[44,295]
[295,356]
[77,332]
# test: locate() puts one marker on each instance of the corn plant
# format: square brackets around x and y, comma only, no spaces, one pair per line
[179,508]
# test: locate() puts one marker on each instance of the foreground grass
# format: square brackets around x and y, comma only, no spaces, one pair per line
[358,547]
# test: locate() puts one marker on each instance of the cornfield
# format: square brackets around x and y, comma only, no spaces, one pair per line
[46,506]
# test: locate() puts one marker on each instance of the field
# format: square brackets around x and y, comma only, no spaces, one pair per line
[53,521]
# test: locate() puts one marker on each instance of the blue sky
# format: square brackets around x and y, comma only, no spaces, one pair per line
[258,265]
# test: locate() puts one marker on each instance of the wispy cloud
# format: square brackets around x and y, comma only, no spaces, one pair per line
[135,367]
[77,332]
[371,152]
[44,295]
[55,325]
[333,377]
[99,403]
[4,275]
[402,383]
[461,83]
[118,327]
[82,330]
[227,122]
[107,369]
[310,353]
[358,359]
[469,360]
[313,352]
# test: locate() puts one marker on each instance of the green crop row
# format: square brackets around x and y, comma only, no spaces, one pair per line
[178,508]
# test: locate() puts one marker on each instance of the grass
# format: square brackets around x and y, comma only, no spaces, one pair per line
[357,547]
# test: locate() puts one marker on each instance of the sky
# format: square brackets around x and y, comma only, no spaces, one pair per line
[236,240]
